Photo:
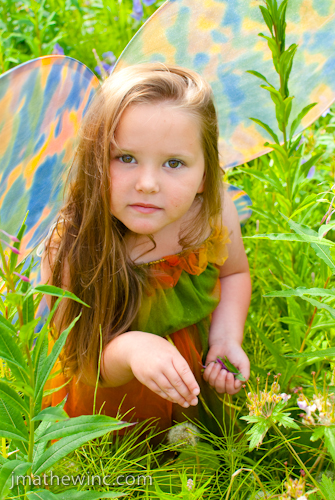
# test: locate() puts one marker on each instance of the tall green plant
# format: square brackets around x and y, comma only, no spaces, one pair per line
[284,182]
[287,175]
[27,427]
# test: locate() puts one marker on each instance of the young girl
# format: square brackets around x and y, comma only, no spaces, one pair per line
[149,241]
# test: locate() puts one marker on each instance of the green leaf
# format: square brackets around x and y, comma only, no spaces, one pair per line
[314,354]
[10,352]
[281,361]
[274,181]
[11,396]
[259,75]
[27,331]
[84,423]
[237,374]
[286,421]
[318,433]
[14,298]
[320,305]
[11,416]
[296,333]
[300,291]
[39,448]
[68,444]
[267,128]
[330,440]
[327,487]
[267,18]
[24,388]
[13,256]
[290,321]
[307,202]
[7,325]
[301,173]
[88,495]
[57,292]
[51,414]
[251,419]
[41,495]
[9,471]
[50,362]
[301,115]
[295,145]
[279,149]
[11,432]
[291,237]
[28,309]
[37,357]
[325,228]
[318,247]
[257,433]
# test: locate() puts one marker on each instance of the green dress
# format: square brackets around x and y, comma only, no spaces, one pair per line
[182,292]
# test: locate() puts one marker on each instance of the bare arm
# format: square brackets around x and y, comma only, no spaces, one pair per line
[226,331]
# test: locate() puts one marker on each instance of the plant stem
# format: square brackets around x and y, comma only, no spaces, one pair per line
[3,440]
[31,415]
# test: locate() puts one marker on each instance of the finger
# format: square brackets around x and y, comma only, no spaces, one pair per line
[167,392]
[220,382]
[214,373]
[230,383]
[208,370]
[238,385]
[176,390]
[189,388]
[157,390]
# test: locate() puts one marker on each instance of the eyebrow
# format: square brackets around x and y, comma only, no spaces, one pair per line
[181,154]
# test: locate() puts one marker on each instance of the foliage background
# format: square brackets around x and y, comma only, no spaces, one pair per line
[277,326]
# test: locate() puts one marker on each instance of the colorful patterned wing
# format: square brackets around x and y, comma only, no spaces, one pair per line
[218,38]
[242,202]
[42,103]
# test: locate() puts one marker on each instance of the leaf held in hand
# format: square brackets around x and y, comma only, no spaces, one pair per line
[227,365]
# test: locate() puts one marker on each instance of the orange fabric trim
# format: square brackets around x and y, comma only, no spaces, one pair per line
[166,272]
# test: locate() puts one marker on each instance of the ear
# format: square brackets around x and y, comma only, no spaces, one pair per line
[201,187]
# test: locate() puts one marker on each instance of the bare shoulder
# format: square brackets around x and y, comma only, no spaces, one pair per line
[237,260]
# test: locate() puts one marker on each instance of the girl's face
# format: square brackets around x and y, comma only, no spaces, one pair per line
[158,170]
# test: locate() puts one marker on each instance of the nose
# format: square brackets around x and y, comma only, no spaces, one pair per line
[147,180]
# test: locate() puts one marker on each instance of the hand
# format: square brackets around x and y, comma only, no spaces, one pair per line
[218,377]
[157,364]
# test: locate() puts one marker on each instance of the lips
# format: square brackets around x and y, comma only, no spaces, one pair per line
[144,205]
[145,208]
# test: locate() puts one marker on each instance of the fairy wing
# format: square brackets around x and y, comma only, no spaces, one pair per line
[219,39]
[42,103]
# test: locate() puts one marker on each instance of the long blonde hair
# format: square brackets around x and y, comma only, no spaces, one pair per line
[92,240]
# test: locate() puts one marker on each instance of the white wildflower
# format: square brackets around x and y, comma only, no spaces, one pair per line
[189,484]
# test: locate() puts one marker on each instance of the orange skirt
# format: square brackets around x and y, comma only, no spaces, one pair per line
[133,398]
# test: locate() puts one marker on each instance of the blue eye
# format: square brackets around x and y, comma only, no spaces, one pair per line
[173,163]
[126,159]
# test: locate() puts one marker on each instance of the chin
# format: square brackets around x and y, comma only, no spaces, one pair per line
[142,230]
